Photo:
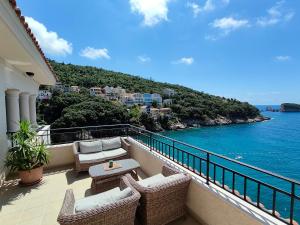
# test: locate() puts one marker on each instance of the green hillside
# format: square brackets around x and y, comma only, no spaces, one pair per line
[189,106]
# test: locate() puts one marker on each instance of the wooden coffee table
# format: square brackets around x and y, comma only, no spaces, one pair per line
[103,180]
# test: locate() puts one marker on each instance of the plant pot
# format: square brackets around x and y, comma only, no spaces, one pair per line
[30,177]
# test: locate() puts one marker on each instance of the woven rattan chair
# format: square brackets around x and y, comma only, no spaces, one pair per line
[162,204]
[121,212]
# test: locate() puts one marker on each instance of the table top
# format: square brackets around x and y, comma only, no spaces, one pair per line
[128,165]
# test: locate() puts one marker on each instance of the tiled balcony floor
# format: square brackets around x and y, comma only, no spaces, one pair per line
[40,204]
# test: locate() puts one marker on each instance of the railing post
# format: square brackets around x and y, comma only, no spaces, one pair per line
[126,131]
[207,168]
[173,146]
[151,138]
[292,203]
[245,188]
[48,142]
[274,202]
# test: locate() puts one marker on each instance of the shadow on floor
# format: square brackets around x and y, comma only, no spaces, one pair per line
[11,190]
[73,176]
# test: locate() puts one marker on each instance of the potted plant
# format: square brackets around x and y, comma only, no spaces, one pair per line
[28,156]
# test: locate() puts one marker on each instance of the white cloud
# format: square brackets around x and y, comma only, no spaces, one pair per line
[196,8]
[144,59]
[225,26]
[93,53]
[185,60]
[283,58]
[228,24]
[275,15]
[153,11]
[49,41]
[208,6]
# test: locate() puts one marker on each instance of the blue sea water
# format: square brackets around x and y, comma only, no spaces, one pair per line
[272,145]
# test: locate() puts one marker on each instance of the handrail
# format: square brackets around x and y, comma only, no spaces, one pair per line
[224,157]
[185,158]
[187,145]
[67,135]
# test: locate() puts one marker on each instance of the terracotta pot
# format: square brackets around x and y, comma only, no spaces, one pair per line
[30,177]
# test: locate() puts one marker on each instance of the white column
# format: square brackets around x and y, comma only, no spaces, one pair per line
[12,110]
[32,109]
[24,106]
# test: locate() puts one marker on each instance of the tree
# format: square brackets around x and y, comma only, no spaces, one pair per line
[148,121]
[92,113]
[154,104]
[70,109]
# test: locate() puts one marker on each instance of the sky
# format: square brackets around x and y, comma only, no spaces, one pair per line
[243,49]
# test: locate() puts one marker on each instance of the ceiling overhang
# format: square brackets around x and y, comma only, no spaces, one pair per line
[18,46]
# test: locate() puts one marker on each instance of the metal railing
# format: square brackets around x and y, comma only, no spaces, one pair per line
[270,192]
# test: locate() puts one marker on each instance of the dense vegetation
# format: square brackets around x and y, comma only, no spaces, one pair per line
[290,107]
[78,109]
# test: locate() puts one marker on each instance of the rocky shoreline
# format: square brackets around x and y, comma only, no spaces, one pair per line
[215,122]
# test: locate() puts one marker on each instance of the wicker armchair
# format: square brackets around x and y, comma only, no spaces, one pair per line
[162,204]
[84,166]
[120,212]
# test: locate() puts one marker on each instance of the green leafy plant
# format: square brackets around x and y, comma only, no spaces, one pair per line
[80,109]
[28,153]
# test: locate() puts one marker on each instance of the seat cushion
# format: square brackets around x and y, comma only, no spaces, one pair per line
[92,157]
[151,180]
[111,143]
[101,199]
[115,153]
[90,146]
[159,180]
[102,156]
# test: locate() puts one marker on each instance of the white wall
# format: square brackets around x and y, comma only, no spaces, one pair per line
[61,156]
[44,135]
[11,78]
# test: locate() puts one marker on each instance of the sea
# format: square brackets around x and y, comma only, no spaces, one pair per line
[272,145]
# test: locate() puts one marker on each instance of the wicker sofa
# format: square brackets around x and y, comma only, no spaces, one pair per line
[99,151]
[116,213]
[162,203]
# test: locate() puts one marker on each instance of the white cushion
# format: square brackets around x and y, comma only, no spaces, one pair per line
[92,157]
[90,146]
[112,143]
[101,199]
[122,194]
[150,180]
[160,180]
[115,153]
[102,156]
[92,201]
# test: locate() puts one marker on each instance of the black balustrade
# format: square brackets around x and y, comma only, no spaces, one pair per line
[247,182]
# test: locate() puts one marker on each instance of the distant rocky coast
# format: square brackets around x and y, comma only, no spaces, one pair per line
[290,107]
[212,122]
[225,121]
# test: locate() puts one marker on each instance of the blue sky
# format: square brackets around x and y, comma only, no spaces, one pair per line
[246,49]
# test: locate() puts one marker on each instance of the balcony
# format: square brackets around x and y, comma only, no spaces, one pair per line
[40,204]
[222,191]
